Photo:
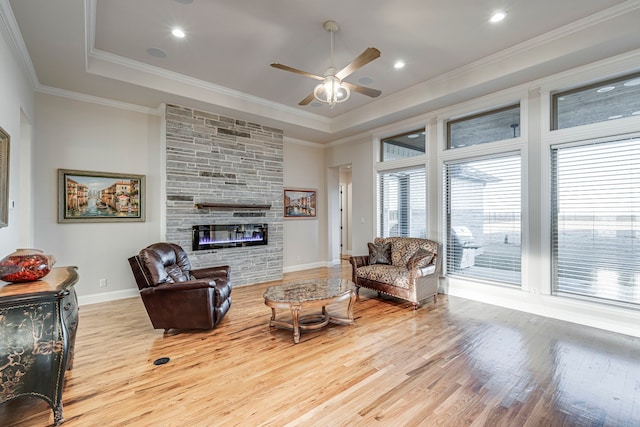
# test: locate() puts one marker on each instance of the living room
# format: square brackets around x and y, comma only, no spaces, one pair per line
[55,128]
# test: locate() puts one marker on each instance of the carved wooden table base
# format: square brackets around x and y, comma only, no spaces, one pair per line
[297,296]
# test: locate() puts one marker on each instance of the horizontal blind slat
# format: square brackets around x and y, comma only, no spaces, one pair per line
[596,220]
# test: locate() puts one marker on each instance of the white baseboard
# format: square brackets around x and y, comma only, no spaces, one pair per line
[107,296]
[601,316]
[300,267]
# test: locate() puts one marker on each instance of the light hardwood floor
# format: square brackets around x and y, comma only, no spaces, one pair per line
[452,363]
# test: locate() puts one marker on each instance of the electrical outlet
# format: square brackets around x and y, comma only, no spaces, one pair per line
[103,283]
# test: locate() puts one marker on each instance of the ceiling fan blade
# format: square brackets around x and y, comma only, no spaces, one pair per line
[307,100]
[363,90]
[295,70]
[365,57]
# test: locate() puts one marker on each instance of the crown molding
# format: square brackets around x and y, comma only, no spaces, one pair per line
[9,23]
[296,141]
[98,100]
[208,92]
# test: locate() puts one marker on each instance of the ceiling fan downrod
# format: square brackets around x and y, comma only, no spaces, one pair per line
[331,90]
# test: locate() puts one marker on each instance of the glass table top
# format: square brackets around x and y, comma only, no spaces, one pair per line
[308,290]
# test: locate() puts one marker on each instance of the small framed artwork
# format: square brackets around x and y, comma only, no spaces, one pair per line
[299,203]
[100,196]
[4,178]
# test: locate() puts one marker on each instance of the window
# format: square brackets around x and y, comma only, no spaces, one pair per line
[483,218]
[609,100]
[402,204]
[402,146]
[495,125]
[596,220]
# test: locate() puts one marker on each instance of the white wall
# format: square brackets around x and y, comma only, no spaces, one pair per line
[305,240]
[358,153]
[71,134]
[17,101]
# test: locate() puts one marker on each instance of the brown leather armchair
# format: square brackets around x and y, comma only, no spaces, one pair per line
[175,296]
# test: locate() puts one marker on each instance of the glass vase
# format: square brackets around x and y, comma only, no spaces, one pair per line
[25,265]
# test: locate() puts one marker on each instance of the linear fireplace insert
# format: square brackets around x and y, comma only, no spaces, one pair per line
[218,236]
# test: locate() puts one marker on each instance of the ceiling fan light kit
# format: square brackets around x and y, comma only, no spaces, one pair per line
[332,89]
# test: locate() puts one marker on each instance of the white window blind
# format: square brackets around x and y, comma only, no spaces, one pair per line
[596,220]
[484,218]
[402,203]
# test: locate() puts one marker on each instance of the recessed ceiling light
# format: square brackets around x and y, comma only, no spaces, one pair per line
[617,116]
[177,32]
[636,113]
[413,135]
[398,65]
[634,82]
[497,17]
[157,52]
[606,89]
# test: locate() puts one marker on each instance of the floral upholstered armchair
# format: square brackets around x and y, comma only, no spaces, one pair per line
[403,267]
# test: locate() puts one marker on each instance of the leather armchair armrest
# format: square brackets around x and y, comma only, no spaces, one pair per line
[204,273]
[359,261]
[180,286]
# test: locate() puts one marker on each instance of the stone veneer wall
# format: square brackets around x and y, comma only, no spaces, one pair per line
[217,159]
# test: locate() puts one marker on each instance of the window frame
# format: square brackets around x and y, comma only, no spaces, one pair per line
[486,112]
[422,130]
[380,199]
[555,94]
[551,221]
[506,99]
[446,220]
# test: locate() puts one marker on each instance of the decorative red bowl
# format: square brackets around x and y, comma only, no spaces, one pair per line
[25,265]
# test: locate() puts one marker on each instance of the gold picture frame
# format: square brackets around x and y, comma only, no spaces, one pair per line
[85,196]
[299,203]
[4,178]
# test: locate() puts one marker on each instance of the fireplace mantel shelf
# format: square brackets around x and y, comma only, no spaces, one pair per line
[231,206]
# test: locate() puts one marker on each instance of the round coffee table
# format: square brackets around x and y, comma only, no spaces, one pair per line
[299,295]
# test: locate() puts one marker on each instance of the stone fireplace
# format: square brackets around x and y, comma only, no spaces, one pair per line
[229,172]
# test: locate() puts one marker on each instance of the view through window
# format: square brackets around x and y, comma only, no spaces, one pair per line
[484,218]
[402,204]
[596,220]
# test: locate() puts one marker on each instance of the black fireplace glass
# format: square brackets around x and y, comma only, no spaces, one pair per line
[219,236]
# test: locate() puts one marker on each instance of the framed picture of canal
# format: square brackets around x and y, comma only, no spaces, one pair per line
[100,196]
[299,203]
[4,178]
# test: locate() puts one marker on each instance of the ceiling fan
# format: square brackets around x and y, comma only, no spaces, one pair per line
[333,89]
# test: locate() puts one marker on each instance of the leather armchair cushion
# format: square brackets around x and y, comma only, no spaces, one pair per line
[166,263]
[209,272]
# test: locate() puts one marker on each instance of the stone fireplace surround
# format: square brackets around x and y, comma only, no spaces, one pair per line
[220,170]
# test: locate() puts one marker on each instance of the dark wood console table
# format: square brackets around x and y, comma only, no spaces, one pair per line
[38,323]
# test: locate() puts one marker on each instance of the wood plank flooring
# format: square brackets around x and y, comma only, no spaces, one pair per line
[452,363]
